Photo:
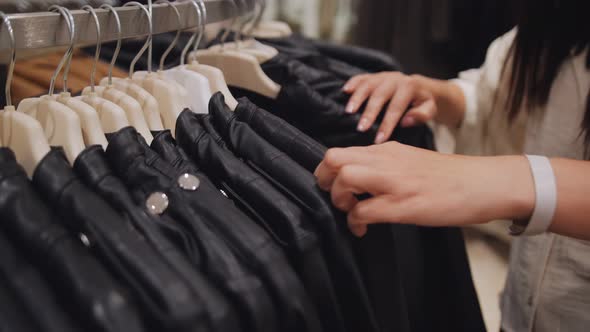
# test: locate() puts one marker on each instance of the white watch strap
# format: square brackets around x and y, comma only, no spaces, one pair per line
[545,196]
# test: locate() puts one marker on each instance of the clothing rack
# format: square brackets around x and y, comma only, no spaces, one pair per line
[38,33]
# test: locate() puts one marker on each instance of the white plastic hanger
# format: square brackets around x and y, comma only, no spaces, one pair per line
[147,102]
[18,131]
[131,107]
[240,69]
[61,124]
[251,46]
[170,96]
[197,84]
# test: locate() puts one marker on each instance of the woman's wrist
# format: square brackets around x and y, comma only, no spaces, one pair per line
[511,187]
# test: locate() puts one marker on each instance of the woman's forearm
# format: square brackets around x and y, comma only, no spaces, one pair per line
[450,101]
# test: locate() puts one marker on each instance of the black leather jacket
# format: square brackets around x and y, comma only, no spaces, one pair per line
[297,145]
[207,216]
[32,290]
[248,189]
[300,186]
[82,282]
[162,293]
[92,166]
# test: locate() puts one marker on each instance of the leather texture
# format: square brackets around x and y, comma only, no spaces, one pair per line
[164,297]
[287,138]
[94,170]
[300,186]
[318,283]
[73,272]
[322,118]
[287,226]
[33,291]
[223,266]
[13,315]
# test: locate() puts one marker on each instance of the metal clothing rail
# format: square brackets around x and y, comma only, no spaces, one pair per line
[37,33]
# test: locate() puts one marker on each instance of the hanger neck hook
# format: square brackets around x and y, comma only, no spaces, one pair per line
[195,34]
[98,45]
[148,42]
[7,91]
[203,24]
[175,41]
[66,59]
[226,33]
[248,18]
[119,40]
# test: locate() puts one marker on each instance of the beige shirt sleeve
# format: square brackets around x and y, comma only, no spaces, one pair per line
[480,87]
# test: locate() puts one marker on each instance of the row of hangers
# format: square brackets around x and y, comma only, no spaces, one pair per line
[147,100]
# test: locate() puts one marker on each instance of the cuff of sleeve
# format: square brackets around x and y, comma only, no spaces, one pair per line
[545,199]
[470,93]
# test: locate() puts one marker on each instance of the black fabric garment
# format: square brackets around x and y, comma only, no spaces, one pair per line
[297,145]
[83,284]
[322,118]
[13,315]
[236,253]
[164,296]
[92,167]
[323,293]
[238,282]
[411,254]
[300,185]
[32,290]
[287,224]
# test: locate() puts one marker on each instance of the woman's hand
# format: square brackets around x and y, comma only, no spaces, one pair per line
[399,92]
[415,186]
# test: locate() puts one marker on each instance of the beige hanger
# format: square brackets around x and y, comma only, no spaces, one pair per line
[61,124]
[169,96]
[129,105]
[20,132]
[251,46]
[147,102]
[268,29]
[240,69]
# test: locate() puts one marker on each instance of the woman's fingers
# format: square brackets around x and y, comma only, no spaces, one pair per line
[360,94]
[337,158]
[398,105]
[354,82]
[420,114]
[379,98]
[356,180]
[379,209]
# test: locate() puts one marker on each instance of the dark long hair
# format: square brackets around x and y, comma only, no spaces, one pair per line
[549,32]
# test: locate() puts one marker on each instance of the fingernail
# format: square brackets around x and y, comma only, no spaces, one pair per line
[349,108]
[362,125]
[346,87]
[380,138]
[408,122]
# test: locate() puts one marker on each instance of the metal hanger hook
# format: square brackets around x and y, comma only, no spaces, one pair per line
[66,59]
[148,42]
[7,88]
[175,41]
[119,40]
[197,32]
[258,17]
[98,45]
[227,31]
[203,24]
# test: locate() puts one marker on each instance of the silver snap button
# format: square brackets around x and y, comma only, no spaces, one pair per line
[157,203]
[224,194]
[189,182]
